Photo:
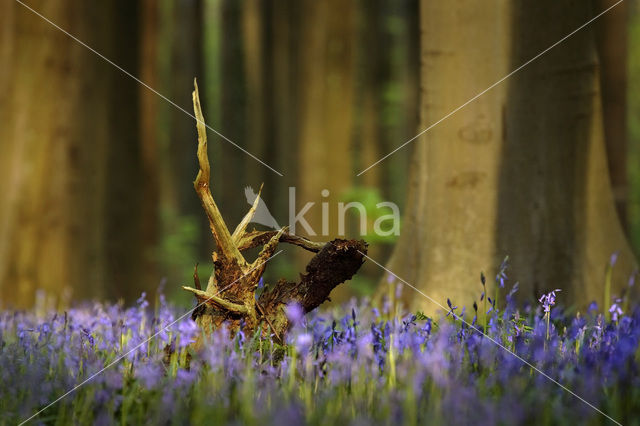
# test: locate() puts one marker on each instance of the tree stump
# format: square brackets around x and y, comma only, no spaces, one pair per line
[230,296]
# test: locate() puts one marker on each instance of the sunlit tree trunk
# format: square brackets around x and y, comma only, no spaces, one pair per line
[449,223]
[520,171]
[46,235]
[69,213]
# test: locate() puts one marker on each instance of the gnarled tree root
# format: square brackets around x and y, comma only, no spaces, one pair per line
[230,297]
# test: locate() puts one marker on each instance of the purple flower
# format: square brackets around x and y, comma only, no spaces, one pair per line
[142,301]
[513,291]
[548,300]
[451,308]
[304,342]
[149,374]
[294,312]
[615,310]
[185,377]
[632,279]
[88,335]
[613,259]
[501,277]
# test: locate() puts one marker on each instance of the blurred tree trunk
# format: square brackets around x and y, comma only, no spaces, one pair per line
[69,208]
[150,192]
[253,35]
[520,171]
[374,75]
[41,147]
[410,82]
[633,117]
[233,118]
[284,32]
[186,63]
[127,250]
[449,224]
[612,51]
[326,122]
[557,215]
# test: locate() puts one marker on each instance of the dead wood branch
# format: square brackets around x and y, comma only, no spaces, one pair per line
[230,297]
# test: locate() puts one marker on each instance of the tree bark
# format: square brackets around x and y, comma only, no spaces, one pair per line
[69,154]
[326,122]
[611,31]
[449,224]
[521,171]
[149,126]
[41,147]
[557,215]
[126,187]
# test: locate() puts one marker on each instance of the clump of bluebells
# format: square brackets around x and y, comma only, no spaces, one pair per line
[354,365]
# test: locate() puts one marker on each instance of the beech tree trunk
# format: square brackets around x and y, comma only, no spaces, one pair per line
[612,53]
[41,152]
[449,224]
[557,213]
[327,64]
[522,170]
[150,155]
[70,215]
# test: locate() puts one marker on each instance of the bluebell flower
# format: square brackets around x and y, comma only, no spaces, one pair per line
[548,300]
[149,374]
[295,313]
[614,258]
[501,276]
[304,342]
[615,310]
[142,301]
[451,308]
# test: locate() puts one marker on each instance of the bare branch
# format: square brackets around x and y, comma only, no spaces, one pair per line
[225,244]
[239,231]
[204,297]
[196,278]
[259,265]
[256,238]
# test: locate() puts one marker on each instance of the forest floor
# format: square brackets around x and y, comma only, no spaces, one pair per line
[359,364]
